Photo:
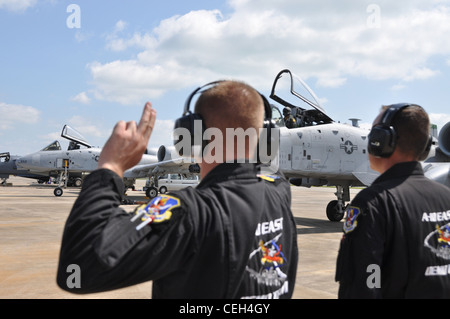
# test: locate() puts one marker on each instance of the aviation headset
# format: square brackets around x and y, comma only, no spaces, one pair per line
[383,137]
[188,119]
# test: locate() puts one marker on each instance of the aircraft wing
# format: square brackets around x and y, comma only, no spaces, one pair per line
[439,172]
[365,174]
[175,166]
[366,178]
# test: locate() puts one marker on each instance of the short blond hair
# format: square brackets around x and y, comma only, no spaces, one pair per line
[233,105]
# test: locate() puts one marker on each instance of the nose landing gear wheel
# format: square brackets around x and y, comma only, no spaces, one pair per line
[335,211]
[58,191]
[151,192]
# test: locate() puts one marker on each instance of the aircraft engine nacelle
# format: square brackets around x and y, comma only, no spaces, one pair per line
[165,153]
[194,169]
[444,139]
[307,182]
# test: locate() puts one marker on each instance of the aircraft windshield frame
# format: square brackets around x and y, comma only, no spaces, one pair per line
[54,146]
[317,114]
[73,135]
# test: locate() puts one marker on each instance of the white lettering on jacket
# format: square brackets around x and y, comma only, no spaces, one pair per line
[269,227]
[436,216]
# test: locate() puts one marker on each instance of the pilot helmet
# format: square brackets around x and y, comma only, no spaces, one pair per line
[286,111]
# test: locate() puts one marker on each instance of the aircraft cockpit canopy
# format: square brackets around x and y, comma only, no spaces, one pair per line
[294,94]
[54,146]
[276,116]
[75,137]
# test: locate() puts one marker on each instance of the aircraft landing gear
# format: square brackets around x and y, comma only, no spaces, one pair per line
[151,192]
[335,211]
[58,191]
[336,208]
[151,187]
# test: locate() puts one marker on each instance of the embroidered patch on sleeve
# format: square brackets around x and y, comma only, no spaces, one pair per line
[157,211]
[269,178]
[351,214]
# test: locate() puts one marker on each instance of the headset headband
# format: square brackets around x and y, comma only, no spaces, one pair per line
[391,112]
[191,96]
[267,108]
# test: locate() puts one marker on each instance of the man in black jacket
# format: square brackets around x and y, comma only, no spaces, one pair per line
[396,241]
[233,236]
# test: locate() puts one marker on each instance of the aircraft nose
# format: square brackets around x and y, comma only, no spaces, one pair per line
[23,162]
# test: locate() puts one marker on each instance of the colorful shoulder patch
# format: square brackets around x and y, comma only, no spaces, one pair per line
[351,214]
[269,178]
[157,211]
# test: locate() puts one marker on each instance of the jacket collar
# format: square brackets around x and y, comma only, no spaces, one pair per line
[230,171]
[399,170]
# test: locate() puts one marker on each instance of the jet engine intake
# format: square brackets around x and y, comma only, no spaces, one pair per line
[444,139]
[165,153]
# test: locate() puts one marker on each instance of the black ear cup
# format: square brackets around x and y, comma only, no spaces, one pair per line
[190,126]
[383,138]
[382,141]
[269,137]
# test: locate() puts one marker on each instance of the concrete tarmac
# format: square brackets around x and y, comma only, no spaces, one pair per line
[32,221]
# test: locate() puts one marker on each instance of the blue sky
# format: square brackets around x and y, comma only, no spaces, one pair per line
[356,55]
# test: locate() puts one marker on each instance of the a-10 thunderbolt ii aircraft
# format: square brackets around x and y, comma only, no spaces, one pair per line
[321,152]
[79,158]
[8,167]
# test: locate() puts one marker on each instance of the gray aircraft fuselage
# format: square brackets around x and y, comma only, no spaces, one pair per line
[80,160]
[9,167]
[328,152]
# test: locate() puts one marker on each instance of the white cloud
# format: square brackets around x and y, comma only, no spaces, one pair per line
[82,98]
[82,36]
[17,5]
[162,133]
[328,41]
[86,127]
[12,114]
[398,87]
[120,26]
